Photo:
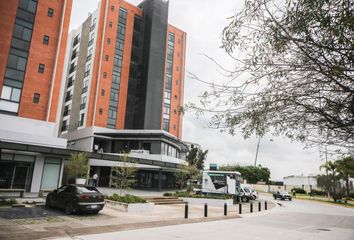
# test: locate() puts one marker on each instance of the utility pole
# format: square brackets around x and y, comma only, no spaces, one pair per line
[255,160]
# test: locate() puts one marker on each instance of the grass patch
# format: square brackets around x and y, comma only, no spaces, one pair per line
[126,198]
[7,202]
[192,195]
[324,200]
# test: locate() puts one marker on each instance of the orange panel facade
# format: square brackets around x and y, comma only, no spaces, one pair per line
[34,82]
[7,20]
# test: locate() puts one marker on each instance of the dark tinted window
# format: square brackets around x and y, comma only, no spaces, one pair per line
[41,68]
[50,12]
[36,98]
[45,39]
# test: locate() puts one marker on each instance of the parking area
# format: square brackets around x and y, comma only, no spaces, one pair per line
[40,223]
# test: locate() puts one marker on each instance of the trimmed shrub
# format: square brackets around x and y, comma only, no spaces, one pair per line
[7,202]
[318,193]
[209,196]
[126,198]
[298,190]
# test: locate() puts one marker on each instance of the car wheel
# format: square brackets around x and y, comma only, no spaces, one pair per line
[289,199]
[69,208]
[48,202]
[275,198]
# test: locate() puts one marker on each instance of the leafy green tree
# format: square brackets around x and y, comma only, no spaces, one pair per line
[293,72]
[252,174]
[186,172]
[123,177]
[77,166]
[334,187]
[345,167]
[196,156]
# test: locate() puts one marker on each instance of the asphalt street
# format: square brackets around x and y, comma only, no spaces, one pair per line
[297,219]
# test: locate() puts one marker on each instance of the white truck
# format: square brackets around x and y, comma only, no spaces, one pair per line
[221,182]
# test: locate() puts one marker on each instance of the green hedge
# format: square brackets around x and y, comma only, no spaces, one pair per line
[192,195]
[318,193]
[126,198]
[7,202]
[298,190]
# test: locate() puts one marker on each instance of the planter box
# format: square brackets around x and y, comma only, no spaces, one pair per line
[131,207]
[210,202]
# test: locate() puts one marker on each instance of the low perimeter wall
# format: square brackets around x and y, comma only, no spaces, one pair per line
[210,202]
[271,188]
[132,207]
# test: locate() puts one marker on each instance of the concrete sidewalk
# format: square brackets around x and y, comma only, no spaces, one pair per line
[110,220]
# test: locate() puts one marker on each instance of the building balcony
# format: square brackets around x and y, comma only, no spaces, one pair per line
[76,41]
[80,123]
[66,113]
[70,83]
[92,27]
[68,98]
[72,69]
[88,58]
[84,89]
[86,73]
[64,128]
[91,42]
[74,56]
[82,106]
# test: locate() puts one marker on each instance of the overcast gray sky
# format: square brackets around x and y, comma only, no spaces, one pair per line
[203,21]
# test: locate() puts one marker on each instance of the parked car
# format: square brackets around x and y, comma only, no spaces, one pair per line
[245,194]
[76,198]
[282,195]
[254,194]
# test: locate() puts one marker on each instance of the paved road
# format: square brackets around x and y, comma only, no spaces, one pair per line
[292,220]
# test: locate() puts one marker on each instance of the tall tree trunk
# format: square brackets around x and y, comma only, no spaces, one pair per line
[347,184]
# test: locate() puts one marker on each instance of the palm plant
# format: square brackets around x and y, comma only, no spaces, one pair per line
[345,167]
[333,174]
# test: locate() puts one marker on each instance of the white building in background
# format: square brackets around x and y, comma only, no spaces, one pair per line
[305,182]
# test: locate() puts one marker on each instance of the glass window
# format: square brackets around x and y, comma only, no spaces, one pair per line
[83,100]
[50,178]
[41,68]
[16,94]
[6,92]
[45,39]
[50,12]
[21,63]
[26,35]
[36,97]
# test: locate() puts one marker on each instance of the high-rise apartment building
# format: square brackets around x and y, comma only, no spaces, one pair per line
[33,38]
[125,70]
[123,91]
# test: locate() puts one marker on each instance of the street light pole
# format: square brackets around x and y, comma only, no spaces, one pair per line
[255,160]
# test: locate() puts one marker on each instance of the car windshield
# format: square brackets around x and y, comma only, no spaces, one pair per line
[247,190]
[82,189]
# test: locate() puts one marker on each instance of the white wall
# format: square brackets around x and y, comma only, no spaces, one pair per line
[37,174]
[29,131]
[300,180]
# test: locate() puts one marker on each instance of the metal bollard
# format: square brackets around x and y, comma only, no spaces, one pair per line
[240,208]
[251,207]
[225,209]
[186,210]
[259,206]
[205,210]
[265,205]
